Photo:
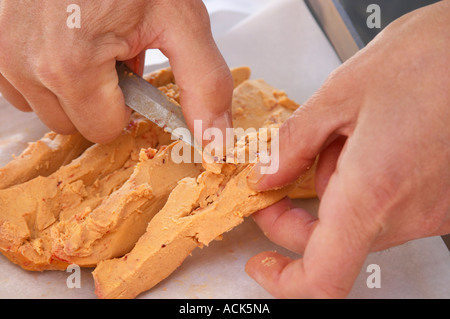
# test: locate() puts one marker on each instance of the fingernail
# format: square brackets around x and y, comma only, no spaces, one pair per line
[254,177]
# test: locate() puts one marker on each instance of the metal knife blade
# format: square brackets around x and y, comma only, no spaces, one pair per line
[150,102]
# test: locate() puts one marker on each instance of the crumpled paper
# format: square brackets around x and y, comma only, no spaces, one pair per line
[282,44]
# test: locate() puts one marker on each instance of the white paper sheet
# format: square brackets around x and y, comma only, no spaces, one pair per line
[282,44]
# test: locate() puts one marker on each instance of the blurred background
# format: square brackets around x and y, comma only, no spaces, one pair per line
[335,17]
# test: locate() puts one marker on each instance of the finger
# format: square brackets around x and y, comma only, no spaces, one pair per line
[45,104]
[204,79]
[13,96]
[265,268]
[47,107]
[326,164]
[335,253]
[330,112]
[95,103]
[286,225]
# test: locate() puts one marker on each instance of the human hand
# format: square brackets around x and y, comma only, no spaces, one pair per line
[68,76]
[381,125]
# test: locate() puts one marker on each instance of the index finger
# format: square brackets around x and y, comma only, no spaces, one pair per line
[201,73]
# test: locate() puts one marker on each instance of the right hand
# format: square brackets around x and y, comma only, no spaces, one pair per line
[68,76]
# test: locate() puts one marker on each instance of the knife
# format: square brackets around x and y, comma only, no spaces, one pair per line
[153,104]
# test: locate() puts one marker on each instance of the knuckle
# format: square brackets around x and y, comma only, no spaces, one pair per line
[220,79]
[55,71]
[337,94]
[44,69]
[338,85]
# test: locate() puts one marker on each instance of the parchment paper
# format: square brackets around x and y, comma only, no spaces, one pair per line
[282,44]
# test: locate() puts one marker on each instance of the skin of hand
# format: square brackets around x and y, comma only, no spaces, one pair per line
[380,123]
[68,77]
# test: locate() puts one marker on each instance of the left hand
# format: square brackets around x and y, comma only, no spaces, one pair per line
[381,124]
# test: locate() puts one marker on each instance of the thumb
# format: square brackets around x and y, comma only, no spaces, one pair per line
[329,113]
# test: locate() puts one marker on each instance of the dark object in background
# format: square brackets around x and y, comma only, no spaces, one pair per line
[345,21]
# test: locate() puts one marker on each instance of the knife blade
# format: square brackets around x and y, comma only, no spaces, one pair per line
[153,104]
